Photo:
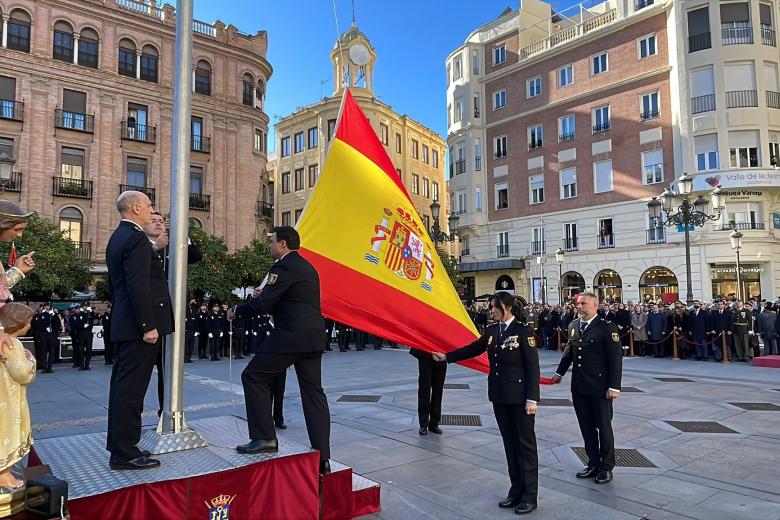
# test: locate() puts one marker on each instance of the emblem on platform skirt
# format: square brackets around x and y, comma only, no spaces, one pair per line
[219,507]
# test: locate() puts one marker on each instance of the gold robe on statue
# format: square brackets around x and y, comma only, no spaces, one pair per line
[16,373]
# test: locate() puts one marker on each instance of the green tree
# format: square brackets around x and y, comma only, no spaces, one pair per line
[58,269]
[214,275]
[450,264]
[251,263]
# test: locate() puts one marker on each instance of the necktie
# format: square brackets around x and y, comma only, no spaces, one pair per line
[501,331]
[583,326]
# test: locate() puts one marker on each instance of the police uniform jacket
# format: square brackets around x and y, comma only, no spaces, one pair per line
[514,363]
[81,324]
[596,358]
[203,323]
[216,324]
[720,321]
[50,324]
[697,324]
[292,297]
[742,320]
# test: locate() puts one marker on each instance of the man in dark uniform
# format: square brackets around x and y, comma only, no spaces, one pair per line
[430,389]
[190,329]
[74,311]
[81,330]
[719,324]
[292,296]
[215,326]
[697,330]
[742,319]
[203,331]
[35,332]
[596,356]
[142,314]
[50,329]
[108,346]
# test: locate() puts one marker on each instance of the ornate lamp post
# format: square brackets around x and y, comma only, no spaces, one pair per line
[687,214]
[736,245]
[559,256]
[436,233]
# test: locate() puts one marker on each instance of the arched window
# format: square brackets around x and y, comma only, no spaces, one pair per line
[248,90]
[572,283]
[203,78]
[658,283]
[260,93]
[19,30]
[88,48]
[63,42]
[127,58]
[149,63]
[71,222]
[196,223]
[505,283]
[608,286]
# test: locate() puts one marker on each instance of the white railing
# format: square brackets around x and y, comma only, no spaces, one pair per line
[568,34]
[204,28]
[140,7]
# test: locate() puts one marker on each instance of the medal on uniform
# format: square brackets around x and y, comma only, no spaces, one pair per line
[615,337]
[490,340]
[532,342]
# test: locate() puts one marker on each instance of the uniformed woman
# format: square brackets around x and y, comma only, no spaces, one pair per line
[513,388]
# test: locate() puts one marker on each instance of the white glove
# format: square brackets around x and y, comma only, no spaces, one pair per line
[230,333]
[86,325]
[197,334]
[254,333]
[48,329]
[221,334]
[211,335]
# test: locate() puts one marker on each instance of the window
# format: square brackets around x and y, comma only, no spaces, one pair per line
[566,131]
[331,128]
[566,75]
[286,218]
[63,42]
[248,90]
[298,142]
[502,195]
[259,140]
[415,184]
[706,160]
[149,62]
[425,153]
[415,149]
[426,188]
[568,178]
[599,63]
[88,49]
[735,23]
[74,107]
[449,71]
[536,189]
[435,190]
[476,105]
[653,166]
[136,172]
[383,133]
[457,68]
[477,155]
[314,173]
[71,221]
[314,137]
[537,240]
[298,213]
[299,179]
[503,244]
[285,146]
[499,147]
[126,58]
[535,137]
[203,78]
[19,31]
[435,158]
[699,37]
[286,182]
[72,163]
[650,108]
[499,99]
[534,87]
[478,200]
[196,125]
[137,122]
[774,154]
[570,237]
[744,157]
[602,176]
[702,90]
[196,180]
[601,122]
[475,63]
[606,237]
[499,54]
[7,146]
[647,46]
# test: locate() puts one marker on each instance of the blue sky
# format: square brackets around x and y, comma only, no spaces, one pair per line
[412,40]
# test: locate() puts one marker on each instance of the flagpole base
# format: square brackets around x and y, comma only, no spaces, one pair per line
[158,443]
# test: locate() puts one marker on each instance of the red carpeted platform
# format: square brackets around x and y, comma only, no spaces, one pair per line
[767,361]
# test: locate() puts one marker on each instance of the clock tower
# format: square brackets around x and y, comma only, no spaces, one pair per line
[353,59]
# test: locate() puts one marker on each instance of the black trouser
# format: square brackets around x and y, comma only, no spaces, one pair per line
[108,348]
[517,432]
[38,347]
[130,376]
[280,382]
[160,364]
[239,342]
[224,344]
[594,413]
[49,345]
[74,345]
[203,341]
[84,348]
[214,347]
[430,387]
[258,379]
[189,345]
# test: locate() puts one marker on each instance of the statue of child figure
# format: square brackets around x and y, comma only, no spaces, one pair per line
[17,370]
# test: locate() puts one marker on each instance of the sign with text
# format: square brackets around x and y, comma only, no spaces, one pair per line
[769,178]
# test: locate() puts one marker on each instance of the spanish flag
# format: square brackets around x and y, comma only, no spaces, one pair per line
[378,269]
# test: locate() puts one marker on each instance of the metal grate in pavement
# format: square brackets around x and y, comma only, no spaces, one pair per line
[460,420]
[359,399]
[675,380]
[624,458]
[456,386]
[555,402]
[700,427]
[758,407]
[631,389]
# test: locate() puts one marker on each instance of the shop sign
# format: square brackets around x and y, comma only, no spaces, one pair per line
[732,269]
[737,179]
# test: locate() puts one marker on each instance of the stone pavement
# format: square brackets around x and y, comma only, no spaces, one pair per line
[462,474]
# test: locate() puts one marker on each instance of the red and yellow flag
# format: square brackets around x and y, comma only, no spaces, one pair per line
[378,269]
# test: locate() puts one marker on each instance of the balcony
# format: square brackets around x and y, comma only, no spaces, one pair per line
[768,36]
[200,202]
[534,145]
[502,250]
[699,42]
[568,33]
[10,109]
[737,35]
[12,183]
[647,116]
[149,192]
[460,167]
[741,226]
[570,244]
[75,188]
[656,236]
[642,4]
[704,103]
[605,241]
[537,248]
[562,138]
[477,163]
[772,99]
[602,128]
[500,154]
[264,210]
[142,133]
[201,144]
[741,98]
[140,7]
[74,121]
[83,250]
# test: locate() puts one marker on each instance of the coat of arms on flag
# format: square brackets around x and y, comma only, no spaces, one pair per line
[404,250]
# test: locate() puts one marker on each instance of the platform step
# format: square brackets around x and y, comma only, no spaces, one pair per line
[345,494]
[366,496]
[767,361]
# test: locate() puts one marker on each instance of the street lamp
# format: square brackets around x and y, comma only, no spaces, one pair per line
[688,214]
[540,262]
[559,256]
[435,232]
[736,245]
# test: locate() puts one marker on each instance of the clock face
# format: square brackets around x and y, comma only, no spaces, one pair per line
[359,54]
[504,284]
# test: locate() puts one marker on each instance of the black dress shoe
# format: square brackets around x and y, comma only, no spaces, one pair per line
[324,467]
[138,463]
[588,472]
[81,369]
[509,502]
[259,446]
[523,508]
[423,431]
[146,453]
[434,429]
[281,425]
[603,477]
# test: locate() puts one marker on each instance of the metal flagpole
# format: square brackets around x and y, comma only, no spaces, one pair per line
[172,433]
